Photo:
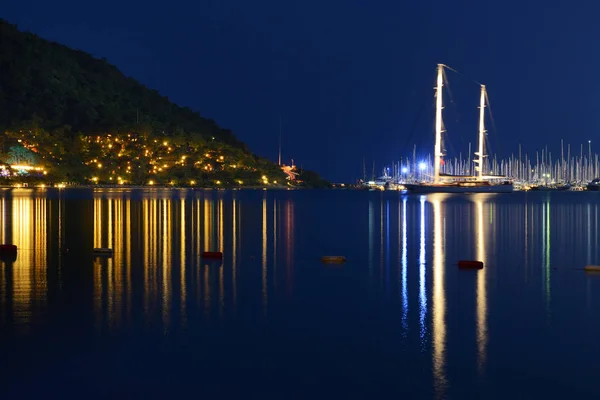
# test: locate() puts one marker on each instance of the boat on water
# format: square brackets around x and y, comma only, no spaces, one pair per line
[443,183]
[461,187]
[550,188]
[594,185]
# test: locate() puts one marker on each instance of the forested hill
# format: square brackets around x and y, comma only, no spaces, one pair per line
[83,119]
[61,86]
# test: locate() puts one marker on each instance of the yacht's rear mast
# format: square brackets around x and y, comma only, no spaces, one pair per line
[438,124]
[480,155]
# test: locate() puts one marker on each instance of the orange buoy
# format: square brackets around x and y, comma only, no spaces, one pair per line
[212,254]
[592,268]
[470,264]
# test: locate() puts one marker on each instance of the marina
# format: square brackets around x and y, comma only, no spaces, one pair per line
[482,173]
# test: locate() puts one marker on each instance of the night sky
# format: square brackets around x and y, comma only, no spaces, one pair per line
[350,78]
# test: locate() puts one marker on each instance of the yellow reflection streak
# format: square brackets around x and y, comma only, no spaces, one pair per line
[166,276]
[198,231]
[197,265]
[3,290]
[111,229]
[4,294]
[97,223]
[4,222]
[128,250]
[221,247]
[151,222]
[97,265]
[221,244]
[422,292]
[3,276]
[481,287]
[439,298]
[183,299]
[207,225]
[109,268]
[23,276]
[264,255]
[274,244]
[39,253]
[147,233]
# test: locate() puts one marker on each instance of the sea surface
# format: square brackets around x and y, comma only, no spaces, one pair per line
[398,319]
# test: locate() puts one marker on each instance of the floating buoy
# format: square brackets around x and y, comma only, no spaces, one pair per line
[8,252]
[103,251]
[212,254]
[8,248]
[470,264]
[333,259]
[592,268]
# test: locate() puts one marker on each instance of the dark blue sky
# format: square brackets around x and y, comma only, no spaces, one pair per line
[349,78]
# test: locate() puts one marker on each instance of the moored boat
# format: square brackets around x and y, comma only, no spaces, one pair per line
[462,187]
[594,185]
[479,183]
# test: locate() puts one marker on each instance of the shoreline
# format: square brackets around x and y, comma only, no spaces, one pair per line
[64,186]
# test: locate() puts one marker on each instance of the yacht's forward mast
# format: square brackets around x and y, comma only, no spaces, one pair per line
[438,124]
[479,153]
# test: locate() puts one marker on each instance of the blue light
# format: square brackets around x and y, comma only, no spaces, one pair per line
[422,166]
[404,170]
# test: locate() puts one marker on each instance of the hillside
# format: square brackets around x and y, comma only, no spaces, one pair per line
[80,119]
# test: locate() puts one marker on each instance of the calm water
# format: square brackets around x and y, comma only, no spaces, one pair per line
[398,319]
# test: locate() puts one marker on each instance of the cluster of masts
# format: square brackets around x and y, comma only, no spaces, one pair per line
[541,168]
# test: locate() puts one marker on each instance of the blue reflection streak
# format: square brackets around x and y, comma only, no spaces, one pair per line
[422,293]
[404,267]
[589,234]
[371,232]
[387,247]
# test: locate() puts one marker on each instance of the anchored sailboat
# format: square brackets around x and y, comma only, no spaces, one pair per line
[444,183]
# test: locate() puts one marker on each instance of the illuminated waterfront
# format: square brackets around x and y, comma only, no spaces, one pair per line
[398,318]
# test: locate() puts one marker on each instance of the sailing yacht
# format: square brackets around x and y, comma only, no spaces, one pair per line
[444,183]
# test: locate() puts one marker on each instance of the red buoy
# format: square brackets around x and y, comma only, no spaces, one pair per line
[212,254]
[8,248]
[470,264]
[8,252]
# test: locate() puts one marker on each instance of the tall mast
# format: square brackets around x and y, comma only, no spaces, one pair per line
[438,124]
[279,157]
[479,153]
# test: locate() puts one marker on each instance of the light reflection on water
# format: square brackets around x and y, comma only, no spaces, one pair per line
[436,319]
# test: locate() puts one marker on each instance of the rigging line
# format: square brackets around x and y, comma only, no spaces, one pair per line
[416,121]
[461,74]
[489,107]
[447,84]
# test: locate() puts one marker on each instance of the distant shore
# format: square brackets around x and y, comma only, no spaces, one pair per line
[83,186]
